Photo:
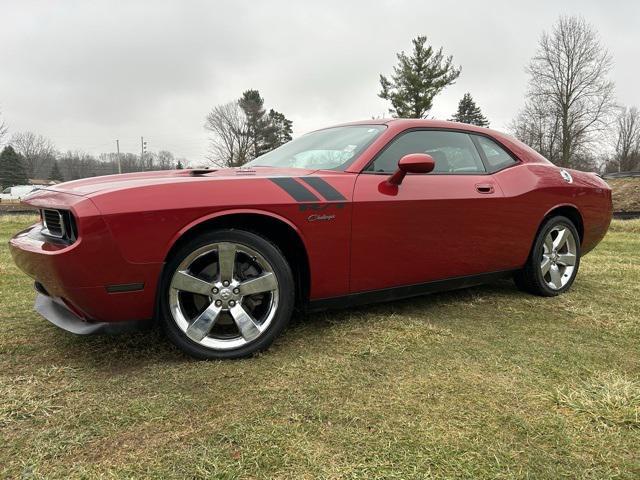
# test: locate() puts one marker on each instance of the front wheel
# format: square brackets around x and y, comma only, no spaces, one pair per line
[226,294]
[553,263]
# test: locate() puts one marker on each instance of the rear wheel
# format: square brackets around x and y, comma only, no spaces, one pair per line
[554,260]
[226,294]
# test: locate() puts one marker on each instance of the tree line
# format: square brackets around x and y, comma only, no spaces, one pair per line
[28,156]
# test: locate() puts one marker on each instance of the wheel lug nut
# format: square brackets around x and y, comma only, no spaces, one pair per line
[225,283]
[232,303]
[218,303]
[236,291]
[214,291]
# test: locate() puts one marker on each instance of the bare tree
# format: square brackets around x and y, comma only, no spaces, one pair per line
[165,160]
[75,165]
[541,131]
[230,142]
[131,162]
[39,153]
[4,129]
[627,139]
[569,81]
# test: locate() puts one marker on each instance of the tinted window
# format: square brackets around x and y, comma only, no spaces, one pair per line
[496,157]
[453,152]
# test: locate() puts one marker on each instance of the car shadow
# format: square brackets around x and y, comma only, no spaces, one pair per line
[131,352]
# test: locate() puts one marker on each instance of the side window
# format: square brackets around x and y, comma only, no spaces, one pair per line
[496,157]
[453,152]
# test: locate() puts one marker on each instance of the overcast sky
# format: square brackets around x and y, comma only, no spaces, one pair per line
[84,73]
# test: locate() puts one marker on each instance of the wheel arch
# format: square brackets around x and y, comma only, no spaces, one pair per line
[567,210]
[529,278]
[280,231]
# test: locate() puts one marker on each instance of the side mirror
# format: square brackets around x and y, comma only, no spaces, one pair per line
[412,163]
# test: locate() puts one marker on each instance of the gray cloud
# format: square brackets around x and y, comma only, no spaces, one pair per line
[86,73]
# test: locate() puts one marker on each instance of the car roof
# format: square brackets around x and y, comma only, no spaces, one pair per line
[404,123]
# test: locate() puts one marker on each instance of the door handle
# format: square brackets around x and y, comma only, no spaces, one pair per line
[484,188]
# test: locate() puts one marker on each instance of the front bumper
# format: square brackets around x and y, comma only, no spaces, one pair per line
[90,277]
[58,314]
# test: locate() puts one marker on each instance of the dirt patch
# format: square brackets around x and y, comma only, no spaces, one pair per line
[626,194]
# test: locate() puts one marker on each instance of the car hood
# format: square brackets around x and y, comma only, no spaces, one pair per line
[89,186]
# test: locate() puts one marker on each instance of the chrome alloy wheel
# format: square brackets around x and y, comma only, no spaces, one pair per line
[223,295]
[558,257]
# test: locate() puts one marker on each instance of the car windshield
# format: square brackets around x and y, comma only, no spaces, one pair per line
[329,149]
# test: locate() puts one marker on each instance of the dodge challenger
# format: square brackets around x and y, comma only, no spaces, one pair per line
[362,212]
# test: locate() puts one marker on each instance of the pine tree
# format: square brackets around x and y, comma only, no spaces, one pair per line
[12,169]
[265,131]
[56,174]
[253,106]
[277,131]
[469,112]
[417,79]
[179,165]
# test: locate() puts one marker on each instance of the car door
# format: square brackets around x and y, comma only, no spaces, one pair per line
[433,226]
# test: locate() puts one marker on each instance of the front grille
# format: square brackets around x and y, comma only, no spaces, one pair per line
[59,224]
[53,223]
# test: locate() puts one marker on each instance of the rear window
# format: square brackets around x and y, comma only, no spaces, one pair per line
[497,158]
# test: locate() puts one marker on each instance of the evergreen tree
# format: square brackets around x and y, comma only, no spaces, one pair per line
[179,165]
[265,131]
[417,79]
[56,174]
[277,131]
[12,170]
[253,106]
[469,112]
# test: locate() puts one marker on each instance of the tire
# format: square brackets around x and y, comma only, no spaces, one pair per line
[226,294]
[550,269]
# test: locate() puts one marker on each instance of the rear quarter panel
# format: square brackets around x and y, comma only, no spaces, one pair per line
[533,190]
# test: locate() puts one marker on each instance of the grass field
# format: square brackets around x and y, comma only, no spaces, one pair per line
[482,383]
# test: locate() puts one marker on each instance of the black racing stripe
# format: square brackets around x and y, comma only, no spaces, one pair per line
[295,189]
[323,188]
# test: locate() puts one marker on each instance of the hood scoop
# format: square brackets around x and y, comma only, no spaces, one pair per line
[237,171]
[201,171]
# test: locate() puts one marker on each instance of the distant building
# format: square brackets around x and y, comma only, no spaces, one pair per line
[42,182]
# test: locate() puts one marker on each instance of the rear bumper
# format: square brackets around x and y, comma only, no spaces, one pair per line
[58,314]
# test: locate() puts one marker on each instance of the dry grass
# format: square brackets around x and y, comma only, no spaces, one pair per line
[481,383]
[627,226]
[608,397]
[626,194]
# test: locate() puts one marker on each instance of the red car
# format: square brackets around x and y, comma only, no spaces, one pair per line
[363,212]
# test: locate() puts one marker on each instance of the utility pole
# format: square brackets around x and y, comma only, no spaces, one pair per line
[143,150]
[118,150]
